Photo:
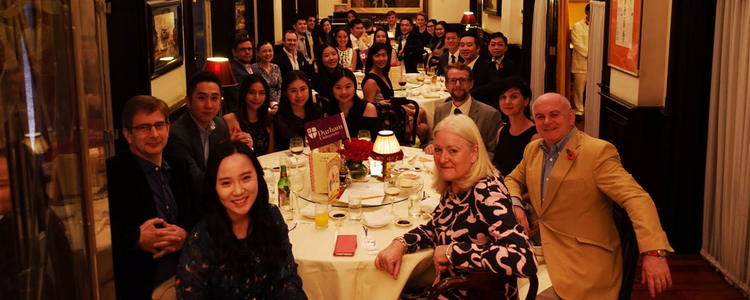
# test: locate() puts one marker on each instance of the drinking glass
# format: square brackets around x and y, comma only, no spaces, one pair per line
[321,215]
[355,207]
[420,67]
[391,189]
[268,176]
[363,57]
[415,205]
[402,78]
[296,184]
[364,135]
[296,146]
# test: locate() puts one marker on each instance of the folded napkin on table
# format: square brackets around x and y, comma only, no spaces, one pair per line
[429,204]
[380,217]
[308,210]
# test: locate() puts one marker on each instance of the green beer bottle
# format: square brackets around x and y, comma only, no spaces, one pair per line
[284,190]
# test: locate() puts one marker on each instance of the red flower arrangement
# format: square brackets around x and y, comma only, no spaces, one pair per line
[356,149]
[570,154]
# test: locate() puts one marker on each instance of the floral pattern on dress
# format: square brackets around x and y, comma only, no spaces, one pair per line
[200,275]
[486,233]
[273,78]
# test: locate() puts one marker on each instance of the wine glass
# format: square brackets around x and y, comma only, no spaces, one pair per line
[296,146]
[268,176]
[297,183]
[391,189]
[420,68]
[364,135]
[402,78]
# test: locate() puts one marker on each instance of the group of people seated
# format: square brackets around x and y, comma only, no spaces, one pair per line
[190,209]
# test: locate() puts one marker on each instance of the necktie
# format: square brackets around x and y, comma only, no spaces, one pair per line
[310,46]
[453,59]
[457,111]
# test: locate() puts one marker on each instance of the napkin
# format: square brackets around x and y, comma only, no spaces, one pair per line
[377,218]
[308,211]
[429,204]
[430,95]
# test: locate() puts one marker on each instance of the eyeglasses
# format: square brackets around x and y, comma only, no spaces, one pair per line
[146,128]
[453,81]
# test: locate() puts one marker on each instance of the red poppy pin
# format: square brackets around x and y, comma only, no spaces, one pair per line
[500,65]
[570,154]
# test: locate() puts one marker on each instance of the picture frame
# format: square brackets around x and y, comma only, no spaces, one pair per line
[165,23]
[624,51]
[340,7]
[383,6]
[492,7]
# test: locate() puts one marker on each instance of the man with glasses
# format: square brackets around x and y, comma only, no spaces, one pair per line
[242,52]
[458,82]
[151,204]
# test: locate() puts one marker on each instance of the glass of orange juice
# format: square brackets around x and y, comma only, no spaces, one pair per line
[321,215]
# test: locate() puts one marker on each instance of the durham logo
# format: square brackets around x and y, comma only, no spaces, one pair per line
[327,130]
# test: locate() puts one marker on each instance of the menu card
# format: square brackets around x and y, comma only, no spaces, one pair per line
[324,173]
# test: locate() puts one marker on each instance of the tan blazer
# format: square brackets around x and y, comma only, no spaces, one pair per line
[579,239]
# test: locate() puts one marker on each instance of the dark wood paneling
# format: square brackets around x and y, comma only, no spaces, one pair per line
[222,27]
[265,21]
[527,34]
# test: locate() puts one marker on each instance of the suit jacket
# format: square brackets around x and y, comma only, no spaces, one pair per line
[579,238]
[486,118]
[285,65]
[510,68]
[230,93]
[445,60]
[486,80]
[131,203]
[413,50]
[185,141]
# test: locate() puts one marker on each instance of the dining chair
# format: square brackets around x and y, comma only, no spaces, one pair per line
[394,117]
[482,285]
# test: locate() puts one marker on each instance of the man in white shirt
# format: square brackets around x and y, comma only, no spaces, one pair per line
[579,37]
[451,56]
[506,67]
[288,58]
[392,23]
[357,32]
[304,40]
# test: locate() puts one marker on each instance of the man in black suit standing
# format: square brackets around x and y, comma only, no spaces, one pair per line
[242,57]
[451,56]
[198,131]
[506,67]
[484,73]
[410,47]
[151,204]
[288,58]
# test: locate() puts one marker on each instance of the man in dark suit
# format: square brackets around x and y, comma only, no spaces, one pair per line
[242,53]
[410,47]
[485,75]
[506,67]
[194,134]
[288,58]
[458,82]
[451,56]
[151,204]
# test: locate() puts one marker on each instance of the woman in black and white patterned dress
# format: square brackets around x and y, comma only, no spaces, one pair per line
[473,229]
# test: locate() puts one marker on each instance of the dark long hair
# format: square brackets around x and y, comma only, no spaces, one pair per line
[336,42]
[312,110]
[265,235]
[322,34]
[241,109]
[319,56]
[339,73]
[375,48]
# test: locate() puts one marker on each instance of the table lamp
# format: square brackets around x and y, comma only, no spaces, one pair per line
[221,68]
[468,19]
[387,149]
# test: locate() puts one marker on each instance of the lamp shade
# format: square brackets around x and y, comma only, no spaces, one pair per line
[220,66]
[386,147]
[468,18]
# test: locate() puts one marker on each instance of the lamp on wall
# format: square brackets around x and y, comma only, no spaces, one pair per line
[387,149]
[468,19]
[221,68]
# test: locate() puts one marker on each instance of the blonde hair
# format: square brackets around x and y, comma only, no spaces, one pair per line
[464,127]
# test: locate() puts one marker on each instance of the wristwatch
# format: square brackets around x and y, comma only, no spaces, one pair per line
[661,253]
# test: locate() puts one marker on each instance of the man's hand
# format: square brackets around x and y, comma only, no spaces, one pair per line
[430,149]
[521,217]
[390,258]
[441,261]
[172,238]
[656,273]
[149,235]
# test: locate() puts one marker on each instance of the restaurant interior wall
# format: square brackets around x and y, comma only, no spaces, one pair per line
[576,12]
[510,22]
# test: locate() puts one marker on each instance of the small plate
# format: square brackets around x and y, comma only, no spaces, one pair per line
[337,214]
[403,222]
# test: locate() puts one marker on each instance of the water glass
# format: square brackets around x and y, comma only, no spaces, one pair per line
[321,215]
[415,205]
[364,135]
[391,189]
[296,184]
[355,207]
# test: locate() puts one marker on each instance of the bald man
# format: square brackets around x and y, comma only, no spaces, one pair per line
[573,180]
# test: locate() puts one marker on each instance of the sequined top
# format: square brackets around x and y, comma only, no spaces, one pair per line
[200,274]
[345,58]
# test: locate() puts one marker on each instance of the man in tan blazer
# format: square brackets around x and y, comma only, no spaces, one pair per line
[572,180]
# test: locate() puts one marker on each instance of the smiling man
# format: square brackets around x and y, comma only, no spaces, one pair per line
[458,82]
[506,67]
[288,58]
[151,204]
[573,180]
[242,57]
[451,56]
[486,78]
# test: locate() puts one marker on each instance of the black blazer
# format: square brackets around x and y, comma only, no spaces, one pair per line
[230,93]
[131,203]
[445,60]
[486,80]
[413,51]
[509,68]
[282,60]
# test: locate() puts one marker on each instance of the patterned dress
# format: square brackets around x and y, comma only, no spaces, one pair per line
[259,132]
[486,234]
[345,58]
[200,275]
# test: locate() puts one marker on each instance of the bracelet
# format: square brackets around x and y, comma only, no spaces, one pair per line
[448,252]
[403,242]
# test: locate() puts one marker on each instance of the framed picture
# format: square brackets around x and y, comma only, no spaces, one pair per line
[165,24]
[625,36]
[239,18]
[340,8]
[383,6]
[492,7]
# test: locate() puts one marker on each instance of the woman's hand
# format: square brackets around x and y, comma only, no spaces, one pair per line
[390,258]
[441,261]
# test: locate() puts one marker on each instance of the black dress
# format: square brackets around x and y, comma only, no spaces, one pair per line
[261,137]
[509,149]
[356,120]
[386,90]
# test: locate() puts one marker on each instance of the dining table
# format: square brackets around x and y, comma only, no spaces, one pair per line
[325,276]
